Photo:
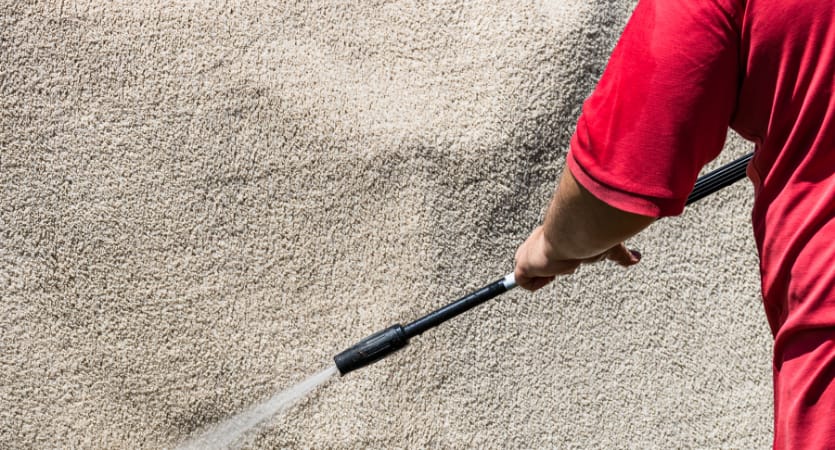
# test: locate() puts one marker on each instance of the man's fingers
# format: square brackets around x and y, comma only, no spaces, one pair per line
[539,283]
[533,284]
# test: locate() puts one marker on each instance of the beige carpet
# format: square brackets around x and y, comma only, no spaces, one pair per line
[201,205]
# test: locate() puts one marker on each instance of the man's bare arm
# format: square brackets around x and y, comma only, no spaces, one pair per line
[578,228]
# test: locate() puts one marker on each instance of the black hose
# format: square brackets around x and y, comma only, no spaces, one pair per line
[455,308]
[724,176]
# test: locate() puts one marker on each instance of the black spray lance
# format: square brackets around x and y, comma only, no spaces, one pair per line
[385,342]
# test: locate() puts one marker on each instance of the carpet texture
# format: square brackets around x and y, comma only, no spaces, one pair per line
[202,204]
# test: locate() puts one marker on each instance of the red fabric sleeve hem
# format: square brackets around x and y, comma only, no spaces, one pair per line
[625,201]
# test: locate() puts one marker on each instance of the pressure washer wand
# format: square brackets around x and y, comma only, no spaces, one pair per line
[385,342]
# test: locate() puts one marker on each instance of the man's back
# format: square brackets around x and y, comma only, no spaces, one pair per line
[786,107]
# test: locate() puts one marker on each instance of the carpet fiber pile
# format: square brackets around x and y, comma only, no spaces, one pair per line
[200,204]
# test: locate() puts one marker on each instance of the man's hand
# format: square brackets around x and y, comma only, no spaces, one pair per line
[538,261]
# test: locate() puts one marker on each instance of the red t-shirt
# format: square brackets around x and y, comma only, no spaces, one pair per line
[683,72]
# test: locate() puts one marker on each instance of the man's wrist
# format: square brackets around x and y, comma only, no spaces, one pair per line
[551,248]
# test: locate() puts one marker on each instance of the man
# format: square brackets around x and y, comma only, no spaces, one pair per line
[682,73]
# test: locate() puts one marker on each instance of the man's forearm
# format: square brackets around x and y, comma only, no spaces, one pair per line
[579,226]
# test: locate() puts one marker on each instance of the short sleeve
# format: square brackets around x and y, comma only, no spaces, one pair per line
[662,108]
